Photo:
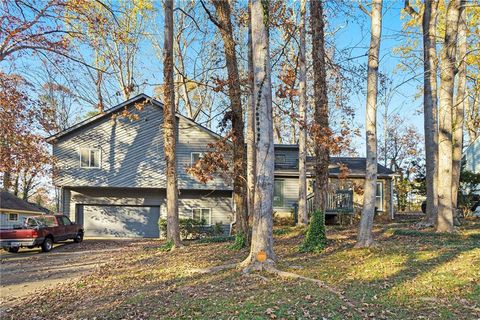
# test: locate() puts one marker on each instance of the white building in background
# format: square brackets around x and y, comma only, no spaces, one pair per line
[471,156]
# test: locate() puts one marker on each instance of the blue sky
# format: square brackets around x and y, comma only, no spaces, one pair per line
[352,31]
[405,98]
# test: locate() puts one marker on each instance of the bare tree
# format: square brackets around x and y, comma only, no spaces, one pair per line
[365,238]
[430,107]
[445,149]
[169,127]
[261,249]
[459,108]
[320,128]
[235,115]
[251,151]
[302,157]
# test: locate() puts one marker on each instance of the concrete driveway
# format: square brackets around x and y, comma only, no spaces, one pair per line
[23,272]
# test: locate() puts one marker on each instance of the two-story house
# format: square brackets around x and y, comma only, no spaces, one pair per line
[111,173]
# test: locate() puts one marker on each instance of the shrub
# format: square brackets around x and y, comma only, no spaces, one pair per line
[166,247]
[217,229]
[189,228]
[279,220]
[240,242]
[315,239]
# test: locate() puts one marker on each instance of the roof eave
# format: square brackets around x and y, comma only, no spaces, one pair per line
[62,133]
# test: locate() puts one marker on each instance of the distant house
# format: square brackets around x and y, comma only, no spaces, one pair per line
[346,181]
[13,210]
[471,156]
[112,174]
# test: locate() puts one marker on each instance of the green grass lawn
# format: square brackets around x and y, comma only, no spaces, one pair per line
[408,275]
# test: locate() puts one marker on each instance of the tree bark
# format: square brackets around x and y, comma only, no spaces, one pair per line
[7,181]
[320,128]
[251,158]
[170,129]
[262,229]
[459,110]
[223,11]
[445,149]
[365,238]
[302,157]
[430,62]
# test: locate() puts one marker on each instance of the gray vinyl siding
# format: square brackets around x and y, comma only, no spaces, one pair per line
[219,202]
[192,138]
[132,154]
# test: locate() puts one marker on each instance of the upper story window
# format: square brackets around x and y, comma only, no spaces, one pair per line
[89,158]
[280,159]
[195,157]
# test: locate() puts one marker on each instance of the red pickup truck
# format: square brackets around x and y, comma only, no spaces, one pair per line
[41,231]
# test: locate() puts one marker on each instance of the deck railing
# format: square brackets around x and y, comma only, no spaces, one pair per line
[340,201]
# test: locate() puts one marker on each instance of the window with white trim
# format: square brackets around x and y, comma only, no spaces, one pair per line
[195,157]
[90,158]
[202,214]
[379,196]
[13,217]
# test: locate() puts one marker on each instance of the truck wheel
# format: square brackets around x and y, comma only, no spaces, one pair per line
[78,238]
[13,249]
[47,245]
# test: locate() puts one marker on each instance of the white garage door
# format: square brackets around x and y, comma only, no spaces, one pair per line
[119,221]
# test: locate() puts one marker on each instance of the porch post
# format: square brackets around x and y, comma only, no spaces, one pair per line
[392,214]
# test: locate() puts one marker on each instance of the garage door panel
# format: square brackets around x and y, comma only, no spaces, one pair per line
[121,221]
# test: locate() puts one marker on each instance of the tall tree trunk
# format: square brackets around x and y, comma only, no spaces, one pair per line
[445,150]
[236,115]
[16,185]
[170,129]
[7,181]
[365,238]
[459,110]
[251,158]
[277,121]
[320,128]
[98,84]
[472,116]
[430,62]
[262,229]
[181,78]
[302,157]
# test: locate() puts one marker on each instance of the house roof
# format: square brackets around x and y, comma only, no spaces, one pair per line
[9,201]
[356,167]
[119,107]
